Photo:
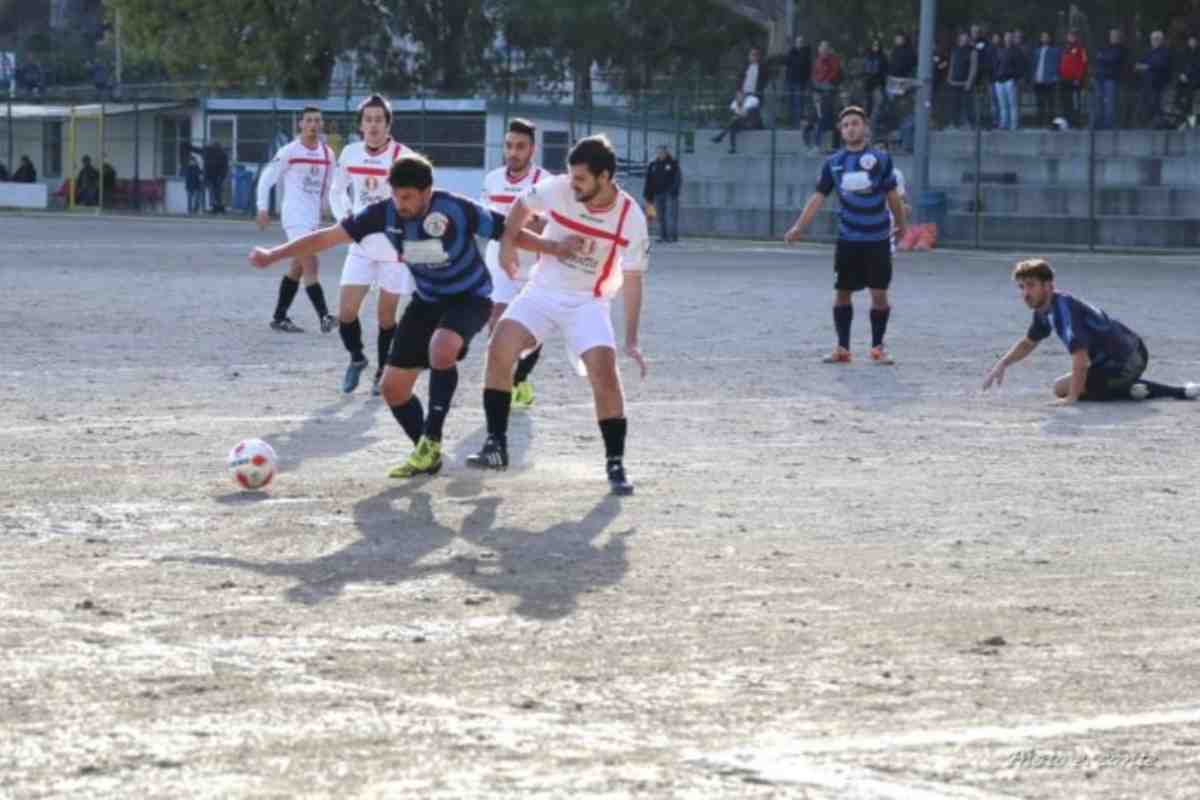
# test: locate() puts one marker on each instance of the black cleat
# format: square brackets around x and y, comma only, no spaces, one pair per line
[376,384]
[617,481]
[285,325]
[494,455]
[328,323]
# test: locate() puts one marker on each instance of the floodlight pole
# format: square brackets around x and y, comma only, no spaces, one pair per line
[926,77]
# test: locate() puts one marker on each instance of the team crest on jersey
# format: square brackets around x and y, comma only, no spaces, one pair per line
[867,162]
[435,224]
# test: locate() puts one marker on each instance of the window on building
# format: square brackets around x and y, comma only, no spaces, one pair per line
[52,148]
[555,145]
[449,139]
[257,133]
[175,132]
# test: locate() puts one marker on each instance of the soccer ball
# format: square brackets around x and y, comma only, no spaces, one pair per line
[252,463]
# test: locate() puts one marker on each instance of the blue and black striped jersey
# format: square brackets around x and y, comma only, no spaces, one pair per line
[862,179]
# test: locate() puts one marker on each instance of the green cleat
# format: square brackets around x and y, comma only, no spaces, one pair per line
[522,395]
[426,459]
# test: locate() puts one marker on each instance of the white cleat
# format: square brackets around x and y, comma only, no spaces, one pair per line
[1191,390]
[1139,391]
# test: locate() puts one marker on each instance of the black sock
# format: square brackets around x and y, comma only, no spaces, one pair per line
[411,417]
[613,431]
[287,293]
[317,295]
[351,334]
[1157,390]
[879,322]
[496,407]
[442,383]
[384,346]
[526,365]
[842,317]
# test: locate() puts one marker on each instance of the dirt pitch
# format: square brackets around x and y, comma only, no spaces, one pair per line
[852,582]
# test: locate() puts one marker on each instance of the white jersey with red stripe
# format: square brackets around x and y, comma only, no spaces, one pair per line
[306,174]
[361,178]
[615,240]
[500,190]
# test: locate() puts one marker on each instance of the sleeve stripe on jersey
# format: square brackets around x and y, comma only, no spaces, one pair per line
[380,171]
[317,161]
[598,289]
[502,198]
[579,227]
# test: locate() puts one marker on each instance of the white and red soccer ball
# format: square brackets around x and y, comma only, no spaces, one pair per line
[252,463]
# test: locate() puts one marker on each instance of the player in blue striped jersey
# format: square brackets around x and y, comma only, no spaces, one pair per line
[865,181]
[434,232]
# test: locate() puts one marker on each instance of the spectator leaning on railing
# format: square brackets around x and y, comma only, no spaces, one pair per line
[964,69]
[1110,63]
[1073,72]
[1189,76]
[1010,66]
[1154,70]
[1045,78]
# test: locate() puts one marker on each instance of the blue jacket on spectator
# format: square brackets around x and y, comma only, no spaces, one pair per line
[1109,62]
[1046,71]
[1159,62]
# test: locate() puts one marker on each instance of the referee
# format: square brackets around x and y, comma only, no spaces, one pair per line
[866,185]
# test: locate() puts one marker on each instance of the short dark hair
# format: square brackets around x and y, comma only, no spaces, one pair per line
[375,101]
[850,111]
[521,125]
[413,171]
[309,110]
[1036,268]
[597,153]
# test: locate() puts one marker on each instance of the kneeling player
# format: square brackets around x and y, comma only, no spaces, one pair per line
[1107,358]
[434,232]
[570,293]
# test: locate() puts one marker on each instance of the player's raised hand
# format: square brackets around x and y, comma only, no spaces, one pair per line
[261,257]
[631,350]
[263,219]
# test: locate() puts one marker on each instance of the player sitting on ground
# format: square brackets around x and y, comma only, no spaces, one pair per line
[1107,358]
[434,232]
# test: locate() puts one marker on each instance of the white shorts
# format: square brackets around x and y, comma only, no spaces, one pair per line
[584,321]
[392,277]
[294,232]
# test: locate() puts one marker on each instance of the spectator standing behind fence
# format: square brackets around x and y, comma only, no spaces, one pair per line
[964,70]
[1188,77]
[663,179]
[1072,70]
[875,72]
[993,51]
[746,117]
[1154,75]
[826,75]
[983,82]
[902,63]
[25,172]
[1110,62]
[1010,66]
[1045,78]
[87,184]
[216,170]
[798,75]
[193,179]
[3,172]
[1025,79]
[754,76]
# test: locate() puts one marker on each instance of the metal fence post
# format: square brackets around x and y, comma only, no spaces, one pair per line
[1092,182]
[771,205]
[978,177]
[137,156]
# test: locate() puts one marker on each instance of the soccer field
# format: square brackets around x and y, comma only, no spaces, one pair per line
[833,582]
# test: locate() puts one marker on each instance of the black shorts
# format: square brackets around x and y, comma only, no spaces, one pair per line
[862,265]
[464,314]
[1110,384]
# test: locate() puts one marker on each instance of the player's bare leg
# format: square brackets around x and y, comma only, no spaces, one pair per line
[386,312]
[601,363]
[509,340]
[310,272]
[350,303]
[289,285]
[881,311]
[843,316]
[426,459]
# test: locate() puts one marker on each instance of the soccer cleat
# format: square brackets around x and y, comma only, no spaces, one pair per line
[840,355]
[1191,390]
[1139,391]
[328,323]
[617,481]
[426,459]
[522,395]
[376,385]
[353,373]
[493,455]
[882,356]
[286,326]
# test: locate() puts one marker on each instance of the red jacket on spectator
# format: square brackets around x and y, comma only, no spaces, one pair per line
[1073,67]
[827,69]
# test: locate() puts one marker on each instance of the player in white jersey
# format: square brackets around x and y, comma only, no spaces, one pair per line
[571,294]
[361,179]
[305,165]
[501,188]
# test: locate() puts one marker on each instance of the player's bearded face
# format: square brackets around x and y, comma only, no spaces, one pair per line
[517,152]
[1035,293]
[374,126]
[411,202]
[584,184]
